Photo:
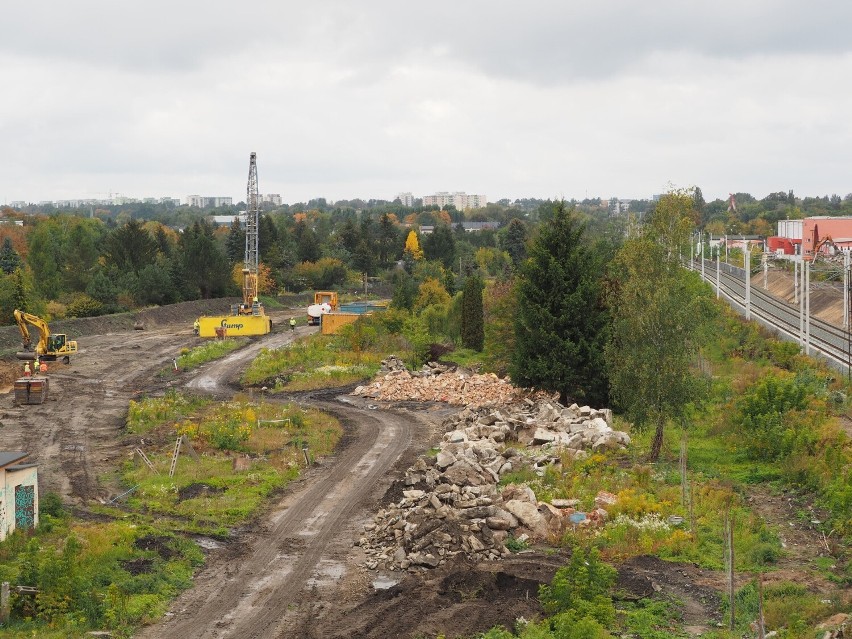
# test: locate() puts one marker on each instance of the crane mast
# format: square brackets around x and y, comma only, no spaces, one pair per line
[248,318]
[252,242]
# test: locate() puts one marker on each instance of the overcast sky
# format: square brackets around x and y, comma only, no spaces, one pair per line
[368,99]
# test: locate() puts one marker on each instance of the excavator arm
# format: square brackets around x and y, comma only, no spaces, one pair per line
[50,346]
[23,318]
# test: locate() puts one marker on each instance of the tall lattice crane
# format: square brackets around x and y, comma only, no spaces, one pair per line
[252,220]
[248,318]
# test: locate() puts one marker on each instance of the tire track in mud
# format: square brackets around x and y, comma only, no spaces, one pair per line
[249,596]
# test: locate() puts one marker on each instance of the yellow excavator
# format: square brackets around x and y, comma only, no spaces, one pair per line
[50,347]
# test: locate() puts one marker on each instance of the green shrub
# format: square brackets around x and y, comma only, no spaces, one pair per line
[516,545]
[581,587]
[777,417]
[84,306]
[50,504]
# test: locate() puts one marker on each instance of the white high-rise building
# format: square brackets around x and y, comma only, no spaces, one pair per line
[406,199]
[461,200]
[205,201]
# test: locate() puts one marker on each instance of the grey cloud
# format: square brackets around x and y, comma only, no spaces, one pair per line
[541,42]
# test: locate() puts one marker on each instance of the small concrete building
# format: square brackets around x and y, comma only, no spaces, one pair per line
[18,492]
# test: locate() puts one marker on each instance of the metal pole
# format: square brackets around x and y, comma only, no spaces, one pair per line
[702,257]
[732,591]
[726,249]
[718,272]
[765,270]
[796,279]
[807,309]
[747,265]
[802,307]
[846,312]
[845,289]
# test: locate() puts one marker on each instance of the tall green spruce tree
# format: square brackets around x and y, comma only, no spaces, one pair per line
[560,323]
[473,320]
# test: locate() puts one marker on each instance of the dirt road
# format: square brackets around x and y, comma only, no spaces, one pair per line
[251,585]
[76,435]
[250,591]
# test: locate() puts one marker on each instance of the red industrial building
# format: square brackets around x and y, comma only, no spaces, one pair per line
[823,234]
[785,245]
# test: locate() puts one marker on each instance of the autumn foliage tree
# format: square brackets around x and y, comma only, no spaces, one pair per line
[265,281]
[412,252]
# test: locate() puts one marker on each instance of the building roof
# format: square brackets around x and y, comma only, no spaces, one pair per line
[21,466]
[11,456]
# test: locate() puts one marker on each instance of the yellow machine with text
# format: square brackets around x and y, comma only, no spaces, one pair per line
[234,325]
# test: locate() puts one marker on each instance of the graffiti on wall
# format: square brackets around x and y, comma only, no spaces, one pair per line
[24,507]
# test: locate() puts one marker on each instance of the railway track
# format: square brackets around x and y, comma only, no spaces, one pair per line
[821,338]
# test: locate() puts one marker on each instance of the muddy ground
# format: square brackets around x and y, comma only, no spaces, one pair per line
[295,572]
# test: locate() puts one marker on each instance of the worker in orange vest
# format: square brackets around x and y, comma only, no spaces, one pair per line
[43,368]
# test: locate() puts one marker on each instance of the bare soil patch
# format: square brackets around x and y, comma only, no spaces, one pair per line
[460,601]
[160,545]
[198,489]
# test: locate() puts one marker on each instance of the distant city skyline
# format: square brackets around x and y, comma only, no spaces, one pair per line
[459,199]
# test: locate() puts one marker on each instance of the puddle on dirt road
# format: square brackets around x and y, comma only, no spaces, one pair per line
[208,544]
[383,582]
[327,573]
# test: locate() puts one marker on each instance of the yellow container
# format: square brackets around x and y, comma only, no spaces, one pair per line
[333,322]
[234,325]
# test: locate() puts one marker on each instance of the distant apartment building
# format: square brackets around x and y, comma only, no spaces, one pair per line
[406,199]
[461,200]
[208,202]
[468,227]
[17,204]
[271,198]
[227,220]
[618,206]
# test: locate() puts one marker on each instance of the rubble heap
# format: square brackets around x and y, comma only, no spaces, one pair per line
[439,383]
[451,504]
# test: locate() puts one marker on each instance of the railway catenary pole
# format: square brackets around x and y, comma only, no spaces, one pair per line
[847,309]
[796,279]
[718,272]
[702,255]
[802,305]
[807,308]
[747,265]
[845,288]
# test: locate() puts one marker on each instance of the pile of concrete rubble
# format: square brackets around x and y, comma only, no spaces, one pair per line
[439,383]
[452,504]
